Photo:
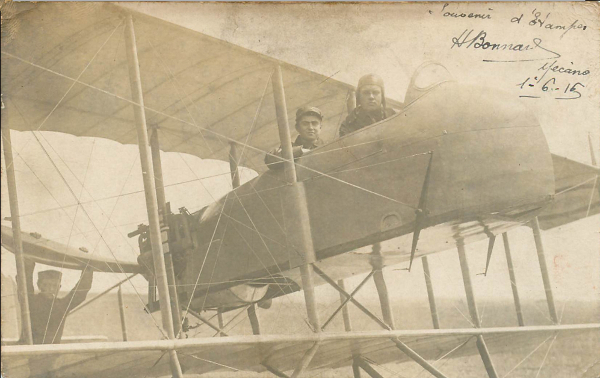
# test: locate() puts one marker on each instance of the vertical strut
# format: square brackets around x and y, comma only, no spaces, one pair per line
[150,192]
[345,312]
[382,291]
[513,280]
[430,294]
[347,323]
[220,322]
[15,218]
[356,369]
[387,308]
[302,236]
[535,226]
[253,317]
[481,346]
[122,313]
[164,228]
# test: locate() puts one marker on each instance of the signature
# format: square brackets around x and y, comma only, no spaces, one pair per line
[480,41]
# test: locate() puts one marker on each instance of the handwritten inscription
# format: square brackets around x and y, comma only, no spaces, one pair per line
[537,19]
[542,21]
[560,90]
[458,14]
[554,67]
[480,41]
[560,86]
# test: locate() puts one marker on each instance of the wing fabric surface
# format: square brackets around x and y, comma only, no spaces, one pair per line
[577,193]
[147,358]
[56,254]
[202,93]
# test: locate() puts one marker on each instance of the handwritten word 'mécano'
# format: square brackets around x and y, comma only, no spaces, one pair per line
[480,41]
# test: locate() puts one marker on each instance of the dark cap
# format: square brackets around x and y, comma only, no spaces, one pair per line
[50,274]
[308,110]
[370,79]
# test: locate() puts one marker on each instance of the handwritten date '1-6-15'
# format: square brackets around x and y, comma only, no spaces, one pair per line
[550,87]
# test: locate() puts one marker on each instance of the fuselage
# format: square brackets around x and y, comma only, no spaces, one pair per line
[490,170]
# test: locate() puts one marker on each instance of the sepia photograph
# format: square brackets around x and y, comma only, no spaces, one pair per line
[301,189]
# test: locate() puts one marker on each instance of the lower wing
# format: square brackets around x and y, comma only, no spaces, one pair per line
[255,353]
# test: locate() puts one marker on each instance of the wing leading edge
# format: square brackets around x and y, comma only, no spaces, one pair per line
[248,353]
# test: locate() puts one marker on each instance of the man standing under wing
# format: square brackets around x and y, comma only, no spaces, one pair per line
[48,311]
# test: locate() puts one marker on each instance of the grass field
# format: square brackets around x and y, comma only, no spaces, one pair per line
[576,356]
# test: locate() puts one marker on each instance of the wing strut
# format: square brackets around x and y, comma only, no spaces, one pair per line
[513,280]
[16,228]
[345,312]
[360,362]
[535,226]
[481,346]
[300,238]
[234,161]
[122,313]
[384,299]
[385,303]
[382,291]
[430,294]
[150,191]
[163,214]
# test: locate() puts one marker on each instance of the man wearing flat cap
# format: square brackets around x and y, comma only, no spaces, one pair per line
[308,125]
[48,311]
[370,105]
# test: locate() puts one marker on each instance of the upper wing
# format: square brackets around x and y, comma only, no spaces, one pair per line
[72,76]
[148,358]
[577,193]
[52,253]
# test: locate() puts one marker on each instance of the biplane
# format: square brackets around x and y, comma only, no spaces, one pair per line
[456,164]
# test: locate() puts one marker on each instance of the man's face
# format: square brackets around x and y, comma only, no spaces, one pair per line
[49,287]
[370,97]
[309,127]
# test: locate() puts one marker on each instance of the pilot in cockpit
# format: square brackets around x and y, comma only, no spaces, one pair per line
[370,105]
[308,125]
